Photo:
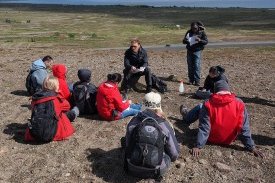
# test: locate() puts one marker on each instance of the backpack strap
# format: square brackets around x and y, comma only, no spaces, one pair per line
[43,100]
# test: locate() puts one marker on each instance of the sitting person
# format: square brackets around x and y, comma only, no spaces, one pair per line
[51,114]
[110,105]
[216,73]
[37,74]
[151,144]
[136,65]
[84,93]
[60,71]
[221,119]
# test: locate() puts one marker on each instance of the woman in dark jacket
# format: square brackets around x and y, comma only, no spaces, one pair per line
[216,73]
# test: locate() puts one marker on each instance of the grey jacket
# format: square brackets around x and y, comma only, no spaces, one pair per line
[39,73]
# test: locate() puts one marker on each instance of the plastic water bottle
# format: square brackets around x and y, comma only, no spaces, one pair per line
[181,87]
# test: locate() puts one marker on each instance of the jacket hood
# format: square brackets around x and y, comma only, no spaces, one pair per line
[84,75]
[38,64]
[222,99]
[108,87]
[59,71]
[43,94]
[149,113]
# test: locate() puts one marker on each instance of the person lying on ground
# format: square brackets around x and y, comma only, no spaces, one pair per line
[150,142]
[222,118]
[51,115]
[110,105]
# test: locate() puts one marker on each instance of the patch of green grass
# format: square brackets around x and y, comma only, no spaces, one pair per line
[114,26]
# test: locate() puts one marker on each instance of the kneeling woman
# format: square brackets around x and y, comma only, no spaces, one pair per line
[51,115]
[110,105]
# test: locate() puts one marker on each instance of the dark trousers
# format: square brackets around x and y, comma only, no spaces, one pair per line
[130,79]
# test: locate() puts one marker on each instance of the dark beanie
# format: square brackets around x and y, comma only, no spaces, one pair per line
[221,85]
[84,75]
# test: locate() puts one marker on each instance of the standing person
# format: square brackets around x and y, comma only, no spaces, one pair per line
[195,40]
[221,119]
[136,65]
[60,71]
[51,115]
[151,144]
[37,74]
[216,73]
[110,105]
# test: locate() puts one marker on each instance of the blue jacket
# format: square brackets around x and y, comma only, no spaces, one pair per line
[39,73]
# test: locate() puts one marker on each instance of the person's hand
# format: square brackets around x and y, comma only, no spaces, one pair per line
[130,101]
[133,68]
[195,151]
[198,39]
[257,153]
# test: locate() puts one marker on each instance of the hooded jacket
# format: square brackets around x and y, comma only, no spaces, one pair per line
[64,126]
[59,71]
[109,100]
[39,73]
[222,118]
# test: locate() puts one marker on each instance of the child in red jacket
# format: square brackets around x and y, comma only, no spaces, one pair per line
[110,104]
[61,108]
[59,71]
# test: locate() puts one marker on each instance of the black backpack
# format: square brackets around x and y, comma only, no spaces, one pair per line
[144,154]
[158,84]
[44,121]
[84,96]
[29,84]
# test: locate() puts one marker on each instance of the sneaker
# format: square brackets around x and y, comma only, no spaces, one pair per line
[183,111]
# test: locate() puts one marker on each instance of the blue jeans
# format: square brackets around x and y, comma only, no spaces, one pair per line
[194,66]
[131,111]
[193,115]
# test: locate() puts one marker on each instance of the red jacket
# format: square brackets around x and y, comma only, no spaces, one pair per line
[108,98]
[64,126]
[59,71]
[226,115]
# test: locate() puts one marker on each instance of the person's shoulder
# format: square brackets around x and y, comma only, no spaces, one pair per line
[127,52]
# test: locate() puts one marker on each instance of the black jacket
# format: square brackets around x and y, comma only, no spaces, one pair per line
[209,82]
[137,60]
[198,46]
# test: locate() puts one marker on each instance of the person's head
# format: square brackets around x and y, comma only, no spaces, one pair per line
[48,61]
[51,83]
[215,71]
[135,45]
[59,71]
[152,101]
[221,85]
[194,27]
[115,78]
[84,75]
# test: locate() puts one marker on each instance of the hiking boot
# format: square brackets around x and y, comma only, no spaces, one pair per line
[183,111]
